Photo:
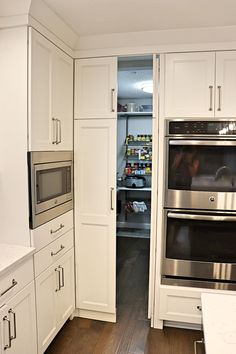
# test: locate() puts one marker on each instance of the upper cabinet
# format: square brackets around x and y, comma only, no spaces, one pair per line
[96,88]
[200,84]
[50,96]
[225,86]
[189,85]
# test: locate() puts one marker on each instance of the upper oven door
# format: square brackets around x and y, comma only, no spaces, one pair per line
[201,174]
[53,185]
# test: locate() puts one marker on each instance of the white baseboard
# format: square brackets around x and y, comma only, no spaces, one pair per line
[95,315]
[196,327]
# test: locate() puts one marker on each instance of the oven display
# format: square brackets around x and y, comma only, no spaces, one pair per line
[202,128]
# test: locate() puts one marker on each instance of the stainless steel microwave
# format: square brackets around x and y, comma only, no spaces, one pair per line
[50,185]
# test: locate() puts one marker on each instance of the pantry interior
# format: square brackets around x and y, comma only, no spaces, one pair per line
[134,175]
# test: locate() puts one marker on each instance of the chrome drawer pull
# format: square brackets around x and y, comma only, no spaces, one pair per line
[14,323]
[14,283]
[7,346]
[59,228]
[55,253]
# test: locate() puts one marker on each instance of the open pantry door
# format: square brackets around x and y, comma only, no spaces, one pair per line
[154,209]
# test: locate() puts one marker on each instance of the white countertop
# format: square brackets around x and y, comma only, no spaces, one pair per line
[219,323]
[11,255]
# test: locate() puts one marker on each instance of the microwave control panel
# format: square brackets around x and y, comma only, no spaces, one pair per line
[202,128]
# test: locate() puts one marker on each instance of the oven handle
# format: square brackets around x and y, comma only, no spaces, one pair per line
[201,217]
[203,142]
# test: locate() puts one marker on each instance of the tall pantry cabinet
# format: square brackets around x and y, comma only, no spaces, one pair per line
[95,187]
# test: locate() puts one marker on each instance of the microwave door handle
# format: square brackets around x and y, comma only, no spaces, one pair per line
[202,142]
[201,217]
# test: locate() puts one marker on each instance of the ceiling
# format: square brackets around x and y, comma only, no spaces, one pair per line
[94,17]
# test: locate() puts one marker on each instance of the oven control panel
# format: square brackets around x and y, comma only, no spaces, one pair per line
[201,128]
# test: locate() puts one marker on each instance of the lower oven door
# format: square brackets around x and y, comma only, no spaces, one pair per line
[199,245]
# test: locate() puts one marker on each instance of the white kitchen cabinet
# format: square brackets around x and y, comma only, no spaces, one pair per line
[225,86]
[18,323]
[50,96]
[54,298]
[200,84]
[95,215]
[180,305]
[189,84]
[96,88]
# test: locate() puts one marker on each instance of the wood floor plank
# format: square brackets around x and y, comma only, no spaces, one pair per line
[132,333]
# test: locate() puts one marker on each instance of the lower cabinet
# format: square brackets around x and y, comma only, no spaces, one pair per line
[55,298]
[18,323]
[180,305]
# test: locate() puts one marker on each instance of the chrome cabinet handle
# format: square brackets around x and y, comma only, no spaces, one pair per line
[211,97]
[59,126]
[112,100]
[62,277]
[196,342]
[55,253]
[7,346]
[112,207]
[14,323]
[219,98]
[59,280]
[54,131]
[14,283]
[59,228]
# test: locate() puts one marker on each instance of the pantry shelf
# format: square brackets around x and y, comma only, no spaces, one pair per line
[145,189]
[134,114]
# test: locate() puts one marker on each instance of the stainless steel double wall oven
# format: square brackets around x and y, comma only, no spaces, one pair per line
[199,248]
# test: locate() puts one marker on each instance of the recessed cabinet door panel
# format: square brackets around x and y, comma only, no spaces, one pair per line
[62,98]
[46,285]
[225,84]
[40,88]
[189,85]
[66,295]
[95,88]
[95,214]
[21,310]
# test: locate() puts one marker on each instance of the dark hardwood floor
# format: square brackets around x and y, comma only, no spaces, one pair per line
[132,332]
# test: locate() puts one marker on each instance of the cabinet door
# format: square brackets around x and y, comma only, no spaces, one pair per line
[21,313]
[41,126]
[225,84]
[4,330]
[189,85]
[66,295]
[47,285]
[95,88]
[62,99]
[95,214]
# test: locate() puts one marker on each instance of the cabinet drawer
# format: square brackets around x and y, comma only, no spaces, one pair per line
[180,306]
[50,231]
[49,254]
[15,280]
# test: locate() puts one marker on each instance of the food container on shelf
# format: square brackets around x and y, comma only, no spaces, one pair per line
[135,182]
